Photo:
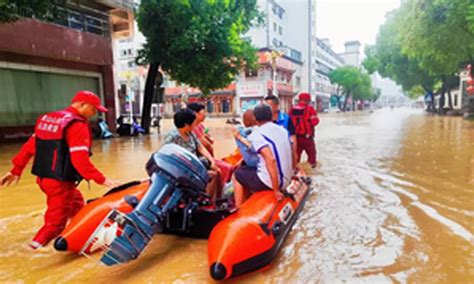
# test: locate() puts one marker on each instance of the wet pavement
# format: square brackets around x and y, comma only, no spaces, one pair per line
[393,201]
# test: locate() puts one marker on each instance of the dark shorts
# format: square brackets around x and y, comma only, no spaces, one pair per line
[247,176]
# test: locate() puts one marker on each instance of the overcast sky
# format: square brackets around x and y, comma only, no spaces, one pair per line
[346,20]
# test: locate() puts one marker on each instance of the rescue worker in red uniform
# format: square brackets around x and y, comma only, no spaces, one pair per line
[305,119]
[61,146]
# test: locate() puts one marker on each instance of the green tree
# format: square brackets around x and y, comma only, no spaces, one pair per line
[438,34]
[12,10]
[354,83]
[416,92]
[470,18]
[196,42]
[387,57]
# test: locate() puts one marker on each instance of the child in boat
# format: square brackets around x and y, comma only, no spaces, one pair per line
[241,133]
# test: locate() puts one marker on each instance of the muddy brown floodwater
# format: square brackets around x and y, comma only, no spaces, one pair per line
[393,202]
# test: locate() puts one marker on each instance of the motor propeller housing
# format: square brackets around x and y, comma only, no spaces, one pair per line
[176,174]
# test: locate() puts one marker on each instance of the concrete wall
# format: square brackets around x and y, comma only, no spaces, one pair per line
[42,44]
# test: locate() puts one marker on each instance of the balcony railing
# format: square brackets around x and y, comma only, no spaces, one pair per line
[118,4]
[82,21]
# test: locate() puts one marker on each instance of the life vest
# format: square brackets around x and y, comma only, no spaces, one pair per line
[301,119]
[52,157]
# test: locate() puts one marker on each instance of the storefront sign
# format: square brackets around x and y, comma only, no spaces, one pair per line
[251,89]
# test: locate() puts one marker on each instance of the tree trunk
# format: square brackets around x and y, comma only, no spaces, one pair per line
[338,97]
[148,96]
[447,89]
[442,98]
[339,103]
[450,100]
[345,101]
[451,106]
[353,103]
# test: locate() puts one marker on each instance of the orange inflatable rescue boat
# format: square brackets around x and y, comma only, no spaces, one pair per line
[88,221]
[92,228]
[249,239]
[173,201]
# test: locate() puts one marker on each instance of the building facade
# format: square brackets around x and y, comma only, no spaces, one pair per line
[129,77]
[290,27]
[248,90]
[459,96]
[275,76]
[327,60]
[295,67]
[42,64]
[351,54]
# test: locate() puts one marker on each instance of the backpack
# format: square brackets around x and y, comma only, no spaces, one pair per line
[300,117]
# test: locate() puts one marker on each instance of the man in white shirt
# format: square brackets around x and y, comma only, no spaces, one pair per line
[274,168]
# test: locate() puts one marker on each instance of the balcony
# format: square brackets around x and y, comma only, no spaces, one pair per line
[283,88]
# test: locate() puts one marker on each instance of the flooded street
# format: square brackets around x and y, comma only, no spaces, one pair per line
[393,202]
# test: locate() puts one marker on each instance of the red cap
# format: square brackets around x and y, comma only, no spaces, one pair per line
[89,97]
[304,97]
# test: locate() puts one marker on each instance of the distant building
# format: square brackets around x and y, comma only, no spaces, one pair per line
[327,60]
[42,64]
[290,27]
[351,55]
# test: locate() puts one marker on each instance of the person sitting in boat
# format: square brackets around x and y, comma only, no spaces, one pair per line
[274,167]
[250,156]
[183,136]
[199,128]
[225,168]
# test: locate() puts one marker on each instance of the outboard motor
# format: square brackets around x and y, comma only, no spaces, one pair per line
[176,174]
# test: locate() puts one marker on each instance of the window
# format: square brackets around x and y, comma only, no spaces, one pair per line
[455,100]
[76,18]
[275,42]
[123,52]
[296,55]
[93,25]
[274,27]
[225,105]
[131,64]
[280,13]
[251,73]
[280,30]
[75,21]
[210,106]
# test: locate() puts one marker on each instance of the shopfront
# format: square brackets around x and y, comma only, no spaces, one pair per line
[218,103]
[250,94]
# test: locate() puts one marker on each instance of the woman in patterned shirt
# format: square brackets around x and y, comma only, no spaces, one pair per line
[183,136]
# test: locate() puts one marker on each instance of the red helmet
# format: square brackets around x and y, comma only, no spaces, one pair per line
[304,97]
